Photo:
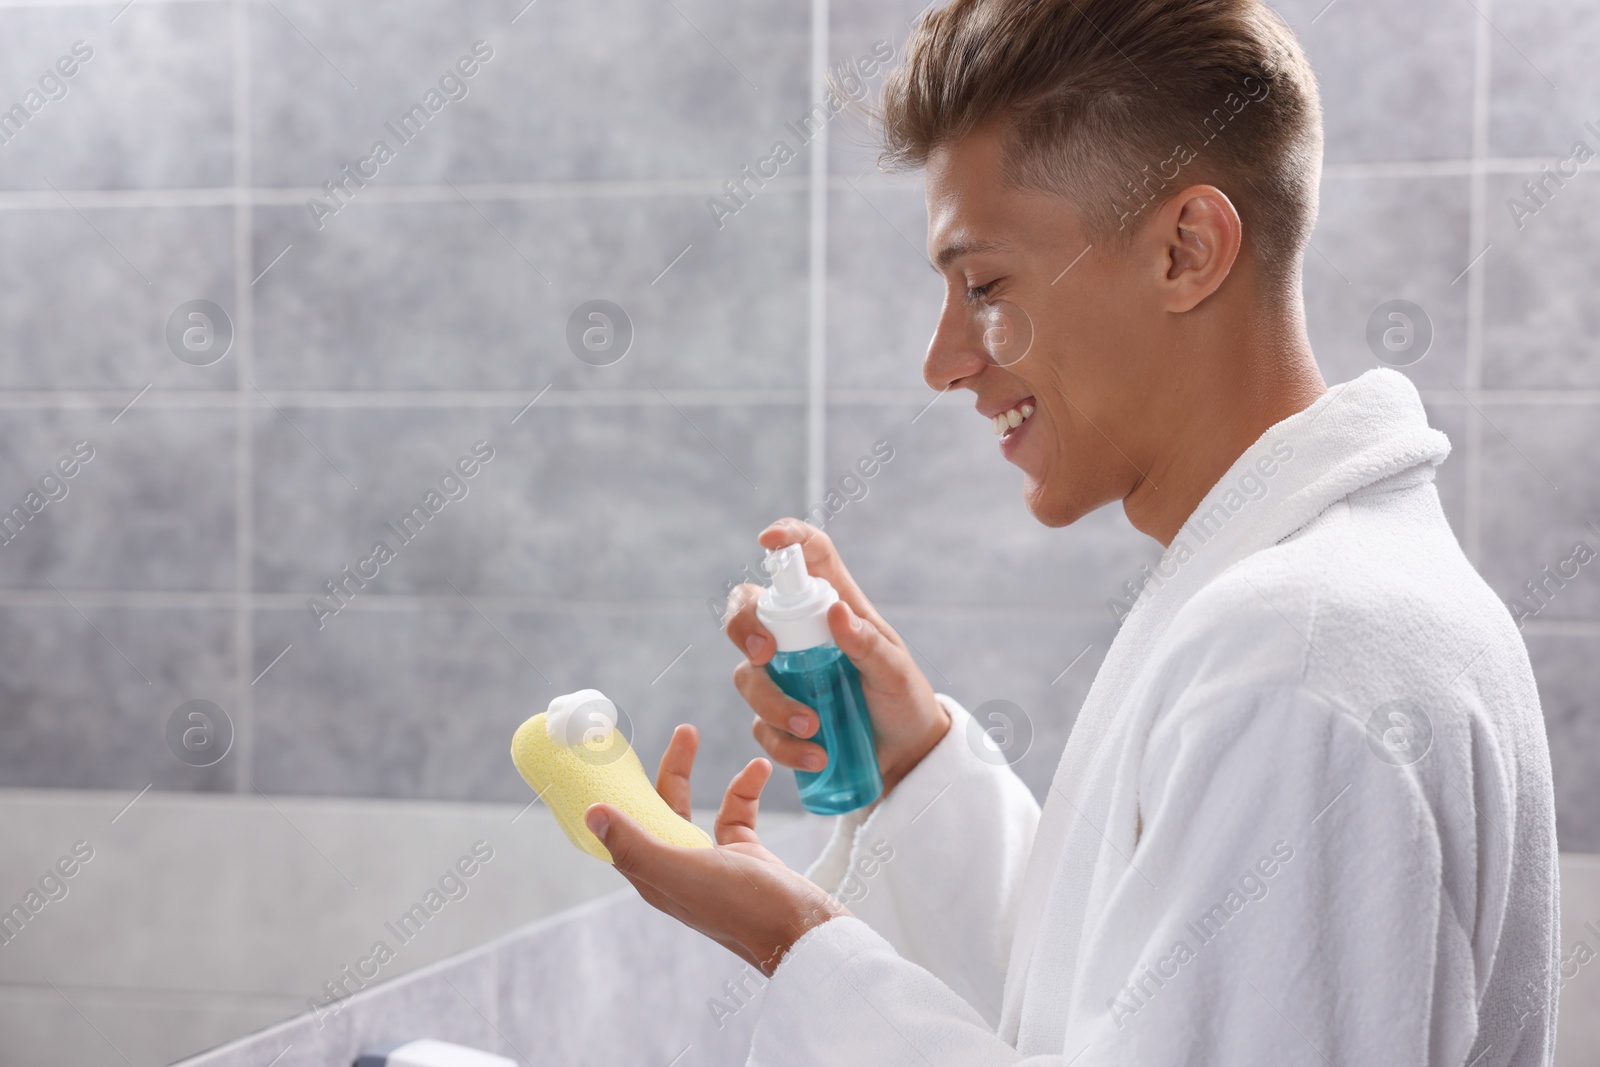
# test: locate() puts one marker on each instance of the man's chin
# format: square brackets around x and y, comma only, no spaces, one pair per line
[1051,507]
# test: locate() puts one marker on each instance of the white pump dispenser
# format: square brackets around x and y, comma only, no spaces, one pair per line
[795,606]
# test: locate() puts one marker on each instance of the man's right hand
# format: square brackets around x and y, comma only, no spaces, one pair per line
[906,719]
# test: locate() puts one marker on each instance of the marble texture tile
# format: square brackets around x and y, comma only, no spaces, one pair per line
[153,477]
[883,300]
[426,705]
[580,502]
[1540,317]
[570,973]
[88,696]
[149,103]
[1450,477]
[858,34]
[1539,500]
[329,479]
[478,294]
[1382,239]
[1022,675]
[86,293]
[1542,89]
[943,522]
[423,703]
[1565,665]
[569,92]
[452,1001]
[1578,1025]
[1396,80]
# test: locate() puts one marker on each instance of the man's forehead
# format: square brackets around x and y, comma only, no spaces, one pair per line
[973,206]
[967,218]
[953,249]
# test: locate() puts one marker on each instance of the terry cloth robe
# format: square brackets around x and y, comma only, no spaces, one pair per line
[1304,815]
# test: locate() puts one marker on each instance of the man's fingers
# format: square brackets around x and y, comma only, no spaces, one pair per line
[822,560]
[742,626]
[672,779]
[788,750]
[874,655]
[777,708]
[667,876]
[736,819]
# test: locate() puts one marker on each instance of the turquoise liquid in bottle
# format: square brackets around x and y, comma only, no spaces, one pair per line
[809,667]
[824,679]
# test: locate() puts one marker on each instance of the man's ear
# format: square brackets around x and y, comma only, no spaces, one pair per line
[1198,235]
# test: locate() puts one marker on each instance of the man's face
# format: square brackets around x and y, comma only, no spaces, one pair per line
[1035,317]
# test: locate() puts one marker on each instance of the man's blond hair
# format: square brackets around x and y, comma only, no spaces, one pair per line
[1118,105]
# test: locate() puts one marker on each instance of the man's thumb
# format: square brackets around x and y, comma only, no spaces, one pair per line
[619,834]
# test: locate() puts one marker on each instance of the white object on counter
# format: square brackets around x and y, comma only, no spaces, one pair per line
[426,1052]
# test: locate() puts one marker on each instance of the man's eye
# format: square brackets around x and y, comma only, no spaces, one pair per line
[978,292]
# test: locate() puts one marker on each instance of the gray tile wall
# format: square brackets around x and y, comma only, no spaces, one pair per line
[767,355]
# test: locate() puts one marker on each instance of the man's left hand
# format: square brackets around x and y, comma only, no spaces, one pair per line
[738,894]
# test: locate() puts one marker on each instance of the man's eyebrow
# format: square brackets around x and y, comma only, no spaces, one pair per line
[950,253]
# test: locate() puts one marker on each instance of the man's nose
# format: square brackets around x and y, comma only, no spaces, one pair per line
[954,352]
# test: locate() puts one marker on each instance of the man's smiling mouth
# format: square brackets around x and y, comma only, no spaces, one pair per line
[1013,416]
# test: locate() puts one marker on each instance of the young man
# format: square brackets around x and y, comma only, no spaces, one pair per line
[1305,813]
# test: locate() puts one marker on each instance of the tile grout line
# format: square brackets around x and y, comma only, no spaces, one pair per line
[295,195]
[400,193]
[530,604]
[1477,235]
[509,399]
[512,399]
[244,457]
[817,352]
[12,5]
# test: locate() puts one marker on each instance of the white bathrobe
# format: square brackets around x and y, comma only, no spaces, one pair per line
[1304,816]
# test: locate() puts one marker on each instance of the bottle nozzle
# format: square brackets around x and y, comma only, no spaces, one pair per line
[795,607]
[790,579]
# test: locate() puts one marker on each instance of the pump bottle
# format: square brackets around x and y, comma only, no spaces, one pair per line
[809,667]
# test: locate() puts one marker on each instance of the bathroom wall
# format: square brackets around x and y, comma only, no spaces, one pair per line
[358,345]
[382,332]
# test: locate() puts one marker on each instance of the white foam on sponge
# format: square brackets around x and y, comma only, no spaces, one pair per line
[577,718]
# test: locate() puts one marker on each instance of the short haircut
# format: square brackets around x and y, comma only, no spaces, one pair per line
[1119,104]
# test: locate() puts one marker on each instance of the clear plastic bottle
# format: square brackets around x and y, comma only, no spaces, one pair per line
[809,667]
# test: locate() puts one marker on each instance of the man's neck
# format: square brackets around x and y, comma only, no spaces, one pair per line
[1246,394]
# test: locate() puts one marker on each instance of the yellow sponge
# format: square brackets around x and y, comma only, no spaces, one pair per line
[573,755]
